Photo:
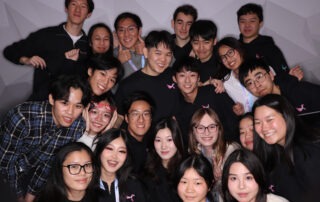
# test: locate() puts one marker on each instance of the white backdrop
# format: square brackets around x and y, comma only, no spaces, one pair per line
[294,25]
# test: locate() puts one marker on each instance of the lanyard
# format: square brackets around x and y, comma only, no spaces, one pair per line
[116,189]
[133,66]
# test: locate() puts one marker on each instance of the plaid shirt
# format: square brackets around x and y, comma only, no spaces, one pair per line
[29,139]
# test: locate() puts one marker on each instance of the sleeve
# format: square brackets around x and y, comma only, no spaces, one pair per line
[276,60]
[14,129]
[27,47]
[39,178]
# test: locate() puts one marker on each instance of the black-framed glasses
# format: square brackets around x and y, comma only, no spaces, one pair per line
[135,115]
[230,53]
[75,169]
[202,129]
[131,29]
[259,78]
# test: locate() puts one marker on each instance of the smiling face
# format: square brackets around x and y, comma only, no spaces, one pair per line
[77,12]
[65,112]
[249,26]
[270,125]
[100,40]
[241,183]
[202,48]
[264,86]
[187,81]
[164,145]
[113,157]
[76,183]
[207,138]
[99,117]
[246,133]
[128,33]
[192,187]
[101,81]
[159,59]
[181,26]
[230,57]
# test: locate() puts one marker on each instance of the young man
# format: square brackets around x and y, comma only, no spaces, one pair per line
[54,51]
[183,17]
[250,20]
[155,78]
[138,115]
[203,35]
[256,76]
[186,76]
[32,132]
[128,28]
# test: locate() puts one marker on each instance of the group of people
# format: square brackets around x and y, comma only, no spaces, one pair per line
[115,116]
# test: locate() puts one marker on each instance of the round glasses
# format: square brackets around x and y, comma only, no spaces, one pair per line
[202,129]
[75,169]
[135,115]
[230,53]
[259,78]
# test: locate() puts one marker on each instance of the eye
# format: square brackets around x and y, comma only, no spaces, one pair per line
[256,122]
[250,177]
[169,139]
[74,166]
[232,178]
[102,73]
[109,148]
[249,83]
[169,54]
[123,151]
[88,165]
[183,182]
[157,140]
[79,106]
[93,111]
[107,115]
[242,132]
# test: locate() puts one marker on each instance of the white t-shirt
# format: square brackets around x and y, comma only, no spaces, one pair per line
[275,198]
[87,139]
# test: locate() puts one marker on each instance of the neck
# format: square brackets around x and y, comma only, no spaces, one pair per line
[107,177]
[181,42]
[206,59]
[249,39]
[165,163]
[236,73]
[73,29]
[276,90]
[147,70]
[76,195]
[190,97]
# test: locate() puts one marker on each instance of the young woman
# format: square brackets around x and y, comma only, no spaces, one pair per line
[246,131]
[195,179]
[206,137]
[165,156]
[72,175]
[100,39]
[100,116]
[114,168]
[289,150]
[244,179]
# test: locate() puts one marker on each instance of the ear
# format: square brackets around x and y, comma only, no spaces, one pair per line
[215,41]
[145,52]
[260,25]
[90,71]
[272,74]
[140,31]
[126,118]
[89,15]
[174,78]
[51,100]
[172,24]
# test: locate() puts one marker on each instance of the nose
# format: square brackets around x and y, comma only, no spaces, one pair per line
[163,145]
[184,26]
[189,187]
[187,79]
[70,109]
[241,184]
[140,118]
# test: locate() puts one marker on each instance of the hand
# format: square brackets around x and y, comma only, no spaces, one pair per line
[72,54]
[297,72]
[218,84]
[192,54]
[85,116]
[123,55]
[115,40]
[112,121]
[217,171]
[29,197]
[35,61]
[238,109]
[139,46]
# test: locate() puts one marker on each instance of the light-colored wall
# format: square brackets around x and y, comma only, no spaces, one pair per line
[294,25]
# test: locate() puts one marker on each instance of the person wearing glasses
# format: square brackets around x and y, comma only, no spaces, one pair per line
[256,76]
[186,75]
[129,43]
[72,176]
[139,109]
[206,137]
[114,160]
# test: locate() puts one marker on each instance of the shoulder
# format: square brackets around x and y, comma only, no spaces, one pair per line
[266,39]
[275,198]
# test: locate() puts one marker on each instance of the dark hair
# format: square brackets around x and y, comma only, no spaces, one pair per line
[186,9]
[101,25]
[232,43]
[105,139]
[60,88]
[250,65]
[89,2]
[255,167]
[187,64]
[205,29]
[55,189]
[126,15]
[105,62]
[154,161]
[155,38]
[251,8]
[104,97]
[138,96]
[202,166]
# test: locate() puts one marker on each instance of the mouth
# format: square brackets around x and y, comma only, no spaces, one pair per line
[242,195]
[96,124]
[164,153]
[82,181]
[67,119]
[101,87]
[112,163]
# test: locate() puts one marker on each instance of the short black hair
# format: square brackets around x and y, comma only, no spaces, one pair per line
[60,88]
[138,96]
[105,62]
[205,29]
[101,25]
[186,9]
[250,65]
[251,8]
[89,2]
[126,15]
[186,63]
[154,38]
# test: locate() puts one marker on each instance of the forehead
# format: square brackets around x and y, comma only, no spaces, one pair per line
[140,105]
[206,119]
[184,70]
[199,38]
[254,72]
[184,17]
[112,72]
[192,174]
[249,16]
[223,49]
[118,142]
[77,156]
[101,30]
[79,1]
[161,47]
[125,22]
[238,168]
[164,132]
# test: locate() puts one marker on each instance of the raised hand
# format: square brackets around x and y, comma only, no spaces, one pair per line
[238,109]
[297,72]
[115,40]
[123,55]
[35,61]
[72,54]
[139,46]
